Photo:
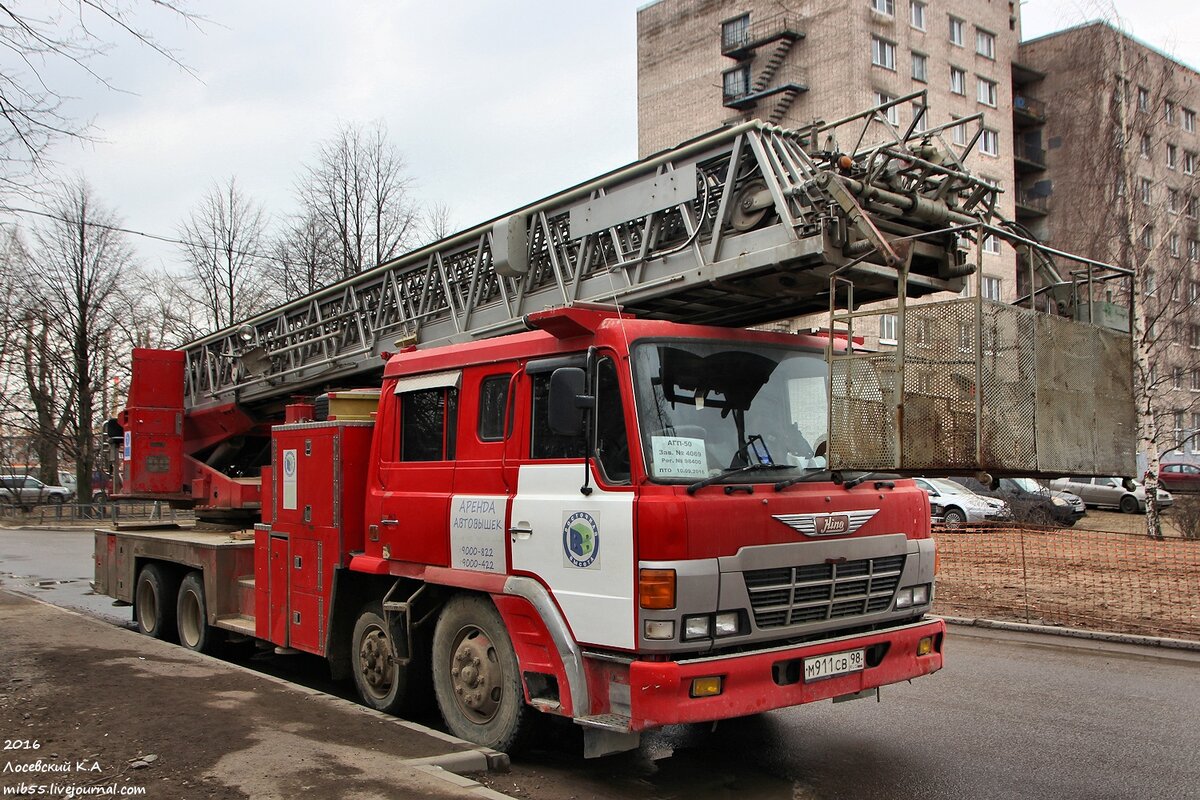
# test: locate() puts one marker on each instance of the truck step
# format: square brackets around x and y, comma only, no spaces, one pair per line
[246,582]
[617,723]
[238,623]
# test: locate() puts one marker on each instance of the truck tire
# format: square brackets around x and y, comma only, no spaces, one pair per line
[191,617]
[154,602]
[379,677]
[476,678]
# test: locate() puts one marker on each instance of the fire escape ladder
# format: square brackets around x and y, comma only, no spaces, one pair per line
[786,98]
[778,55]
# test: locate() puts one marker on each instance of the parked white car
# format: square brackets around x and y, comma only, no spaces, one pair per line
[958,504]
[1111,493]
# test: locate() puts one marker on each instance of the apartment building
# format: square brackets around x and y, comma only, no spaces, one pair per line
[1108,166]
[703,64]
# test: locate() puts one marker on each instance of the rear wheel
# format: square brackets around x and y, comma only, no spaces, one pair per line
[954,517]
[1129,504]
[191,613]
[154,602]
[476,677]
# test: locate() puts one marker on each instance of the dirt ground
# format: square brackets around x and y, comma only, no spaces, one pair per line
[1103,574]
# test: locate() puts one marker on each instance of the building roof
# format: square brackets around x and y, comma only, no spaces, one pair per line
[1110,26]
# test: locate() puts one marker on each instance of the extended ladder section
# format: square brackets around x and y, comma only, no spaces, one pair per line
[738,227]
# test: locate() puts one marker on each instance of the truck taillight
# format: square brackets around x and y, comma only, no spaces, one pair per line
[656,588]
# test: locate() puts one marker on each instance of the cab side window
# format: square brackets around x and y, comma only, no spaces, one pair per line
[545,443]
[493,398]
[427,424]
[612,440]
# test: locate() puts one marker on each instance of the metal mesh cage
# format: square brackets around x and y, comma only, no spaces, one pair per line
[987,387]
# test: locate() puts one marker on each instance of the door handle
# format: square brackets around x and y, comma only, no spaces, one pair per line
[386,521]
[521,531]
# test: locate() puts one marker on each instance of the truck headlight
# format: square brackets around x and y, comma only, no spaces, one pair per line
[696,627]
[662,629]
[920,594]
[904,598]
[727,624]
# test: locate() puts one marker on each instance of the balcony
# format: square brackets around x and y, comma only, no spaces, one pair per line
[740,42]
[1028,111]
[738,94]
[1031,205]
[1029,157]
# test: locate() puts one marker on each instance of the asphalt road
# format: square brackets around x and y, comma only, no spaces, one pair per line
[1011,716]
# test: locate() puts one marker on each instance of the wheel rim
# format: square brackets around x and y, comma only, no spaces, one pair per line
[146,606]
[376,662]
[476,675]
[189,618]
[954,518]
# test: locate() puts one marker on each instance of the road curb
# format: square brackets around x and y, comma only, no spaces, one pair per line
[447,767]
[1076,633]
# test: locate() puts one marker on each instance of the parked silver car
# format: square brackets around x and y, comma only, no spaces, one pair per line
[26,490]
[1111,493]
[958,504]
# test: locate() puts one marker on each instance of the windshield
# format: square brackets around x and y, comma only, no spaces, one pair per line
[707,407]
[1030,485]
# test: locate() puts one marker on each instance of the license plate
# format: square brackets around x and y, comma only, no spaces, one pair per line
[833,664]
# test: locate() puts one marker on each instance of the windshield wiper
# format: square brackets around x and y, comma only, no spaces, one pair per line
[805,478]
[752,467]
[866,476]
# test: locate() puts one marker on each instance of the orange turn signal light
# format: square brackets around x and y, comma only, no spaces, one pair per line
[925,646]
[656,588]
[706,687]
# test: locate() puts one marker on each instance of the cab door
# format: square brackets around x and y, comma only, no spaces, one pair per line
[580,545]
[416,470]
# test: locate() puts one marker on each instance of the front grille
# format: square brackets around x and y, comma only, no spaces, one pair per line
[814,592]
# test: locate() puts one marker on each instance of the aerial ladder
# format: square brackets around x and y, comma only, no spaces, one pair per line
[743,226]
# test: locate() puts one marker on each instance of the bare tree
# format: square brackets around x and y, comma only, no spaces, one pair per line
[305,258]
[436,222]
[71,34]
[358,190]
[223,240]
[78,259]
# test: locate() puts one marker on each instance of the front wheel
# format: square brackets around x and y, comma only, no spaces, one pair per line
[475,675]
[953,517]
[378,674]
[1129,504]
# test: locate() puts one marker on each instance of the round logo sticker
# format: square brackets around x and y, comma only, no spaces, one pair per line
[289,463]
[581,539]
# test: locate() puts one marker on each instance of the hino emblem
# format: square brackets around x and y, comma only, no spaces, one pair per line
[827,524]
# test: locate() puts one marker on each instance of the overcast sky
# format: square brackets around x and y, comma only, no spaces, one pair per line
[492,104]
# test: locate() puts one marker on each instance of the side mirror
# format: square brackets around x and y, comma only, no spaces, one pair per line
[568,400]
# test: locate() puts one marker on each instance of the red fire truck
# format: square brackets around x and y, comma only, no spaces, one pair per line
[575,488]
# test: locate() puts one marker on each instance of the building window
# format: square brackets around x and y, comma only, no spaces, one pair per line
[985,44]
[991,288]
[1196,380]
[1191,207]
[884,6]
[893,116]
[989,142]
[957,26]
[1193,250]
[920,67]
[1189,162]
[1172,156]
[887,328]
[1178,428]
[883,53]
[1169,112]
[958,81]
[1143,99]
[1193,292]
[1144,146]
[1149,281]
[1195,444]
[1177,378]
[958,134]
[1173,201]
[987,92]
[917,17]
[1189,120]
[735,32]
[1148,237]
[920,117]
[1120,186]
[1147,193]
[737,81]
[1173,246]
[1194,337]
[991,244]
